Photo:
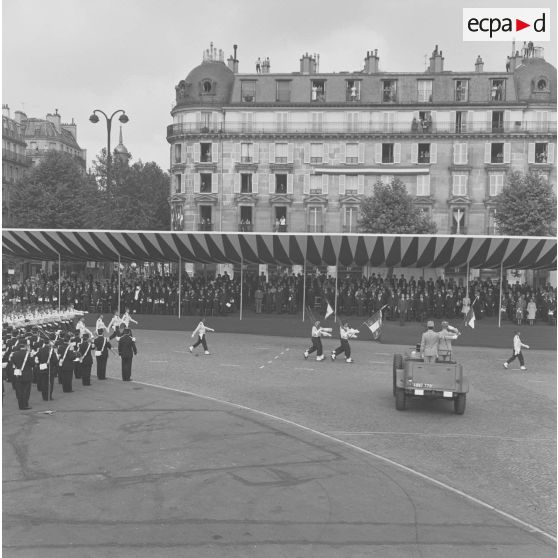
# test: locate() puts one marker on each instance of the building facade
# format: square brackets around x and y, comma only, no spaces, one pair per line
[50,134]
[14,160]
[298,152]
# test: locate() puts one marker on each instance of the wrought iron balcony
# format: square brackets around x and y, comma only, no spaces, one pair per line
[430,127]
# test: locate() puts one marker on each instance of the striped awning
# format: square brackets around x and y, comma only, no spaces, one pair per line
[283,248]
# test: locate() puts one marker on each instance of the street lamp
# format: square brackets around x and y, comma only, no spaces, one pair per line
[123,118]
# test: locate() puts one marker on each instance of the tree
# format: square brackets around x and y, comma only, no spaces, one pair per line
[138,195]
[391,210]
[55,194]
[526,206]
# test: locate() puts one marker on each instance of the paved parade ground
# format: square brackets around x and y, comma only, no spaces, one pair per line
[255,451]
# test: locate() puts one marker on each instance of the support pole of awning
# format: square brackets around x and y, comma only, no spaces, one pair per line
[179,285]
[500,297]
[304,289]
[59,283]
[335,303]
[241,284]
[119,285]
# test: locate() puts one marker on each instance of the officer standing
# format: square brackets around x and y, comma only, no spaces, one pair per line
[85,360]
[127,349]
[66,363]
[429,343]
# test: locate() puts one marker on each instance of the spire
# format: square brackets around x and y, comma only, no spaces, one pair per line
[120,150]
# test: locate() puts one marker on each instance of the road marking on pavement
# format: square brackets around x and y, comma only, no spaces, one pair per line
[441,484]
[427,434]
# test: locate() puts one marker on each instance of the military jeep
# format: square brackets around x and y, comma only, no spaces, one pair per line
[443,379]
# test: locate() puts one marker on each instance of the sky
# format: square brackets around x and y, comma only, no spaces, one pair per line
[80,55]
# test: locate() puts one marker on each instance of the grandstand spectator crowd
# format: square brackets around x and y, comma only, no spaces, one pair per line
[405,298]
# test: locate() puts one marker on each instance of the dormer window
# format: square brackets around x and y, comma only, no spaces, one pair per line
[317,93]
[498,90]
[541,84]
[389,91]
[206,85]
[248,91]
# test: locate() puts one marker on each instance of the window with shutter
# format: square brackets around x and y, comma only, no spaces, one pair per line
[351,154]
[423,185]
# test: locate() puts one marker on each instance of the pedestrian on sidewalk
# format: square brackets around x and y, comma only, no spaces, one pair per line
[316,338]
[200,332]
[517,354]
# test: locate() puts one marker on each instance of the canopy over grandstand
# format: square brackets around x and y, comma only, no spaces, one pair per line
[283,248]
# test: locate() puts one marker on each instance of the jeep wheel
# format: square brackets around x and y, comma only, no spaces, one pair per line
[459,404]
[400,399]
[397,364]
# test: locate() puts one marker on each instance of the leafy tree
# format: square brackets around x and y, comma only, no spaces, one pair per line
[391,210]
[138,196]
[55,194]
[526,206]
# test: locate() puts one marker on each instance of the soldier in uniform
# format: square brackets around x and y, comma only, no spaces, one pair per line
[47,360]
[66,362]
[127,349]
[102,346]
[85,360]
[23,372]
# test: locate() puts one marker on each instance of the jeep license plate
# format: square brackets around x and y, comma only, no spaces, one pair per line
[419,392]
[448,393]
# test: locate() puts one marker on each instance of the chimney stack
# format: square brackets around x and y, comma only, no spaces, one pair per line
[436,61]
[20,117]
[479,64]
[372,62]
[307,64]
[232,62]
[72,128]
[55,119]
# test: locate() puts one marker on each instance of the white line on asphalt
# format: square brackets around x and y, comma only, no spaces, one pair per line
[366,452]
[341,433]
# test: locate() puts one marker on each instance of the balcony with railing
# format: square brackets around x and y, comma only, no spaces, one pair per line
[434,127]
[314,228]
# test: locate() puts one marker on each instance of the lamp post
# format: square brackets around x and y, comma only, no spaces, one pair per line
[123,118]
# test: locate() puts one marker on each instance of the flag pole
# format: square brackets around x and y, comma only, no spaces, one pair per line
[335,304]
[59,283]
[501,291]
[241,284]
[179,285]
[118,284]
[304,289]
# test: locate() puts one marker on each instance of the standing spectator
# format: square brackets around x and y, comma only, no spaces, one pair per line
[258,297]
[531,312]
[517,346]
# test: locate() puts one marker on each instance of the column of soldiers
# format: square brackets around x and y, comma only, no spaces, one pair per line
[37,352]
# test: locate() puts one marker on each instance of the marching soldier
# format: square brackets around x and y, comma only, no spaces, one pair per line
[66,362]
[317,333]
[102,346]
[47,361]
[23,372]
[127,349]
[345,333]
[85,360]
[200,331]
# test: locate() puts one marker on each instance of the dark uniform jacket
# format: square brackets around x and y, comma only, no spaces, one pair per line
[22,360]
[127,347]
[98,346]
